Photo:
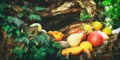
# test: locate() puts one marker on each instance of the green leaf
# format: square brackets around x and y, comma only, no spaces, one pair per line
[39,9]
[9,19]
[106,2]
[27,41]
[6,28]
[24,8]
[15,50]
[33,49]
[14,20]
[19,51]
[11,29]
[18,22]
[22,39]
[40,54]
[20,15]
[34,17]
[36,42]
[25,34]
[18,33]
[43,39]
[56,45]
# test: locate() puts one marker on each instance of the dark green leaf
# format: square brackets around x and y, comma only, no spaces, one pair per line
[2,6]
[51,50]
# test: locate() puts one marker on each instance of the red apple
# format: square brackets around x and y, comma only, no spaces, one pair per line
[78,30]
[95,38]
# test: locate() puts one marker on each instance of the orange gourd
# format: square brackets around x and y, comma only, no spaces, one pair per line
[57,35]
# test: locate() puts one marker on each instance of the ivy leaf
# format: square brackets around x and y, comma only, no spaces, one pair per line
[11,29]
[14,20]
[43,39]
[39,9]
[6,28]
[34,17]
[18,22]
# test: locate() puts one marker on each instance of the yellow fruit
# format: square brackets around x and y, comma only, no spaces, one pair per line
[87,28]
[74,39]
[97,25]
[86,46]
[107,31]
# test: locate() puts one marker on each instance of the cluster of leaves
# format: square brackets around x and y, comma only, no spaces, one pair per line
[13,20]
[111,13]
[38,48]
